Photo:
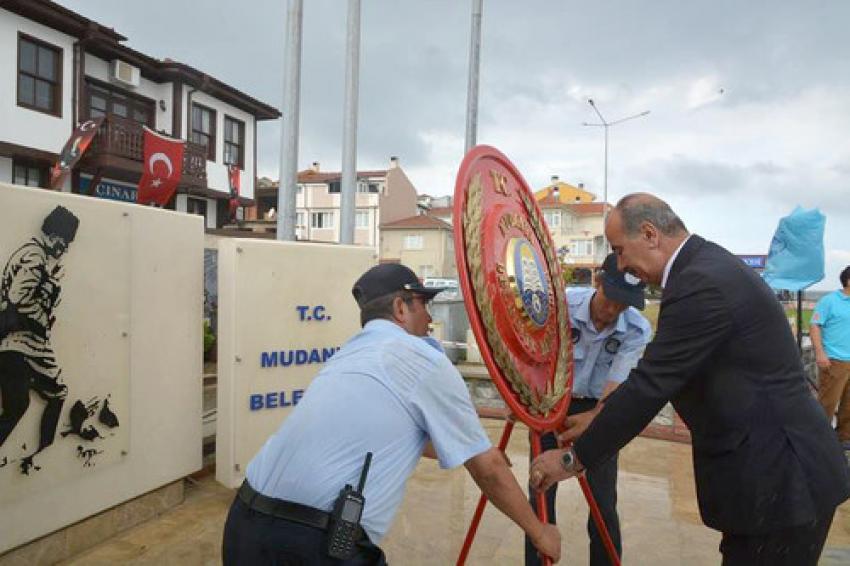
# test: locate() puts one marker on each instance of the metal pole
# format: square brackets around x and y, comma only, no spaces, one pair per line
[800,321]
[605,197]
[348,189]
[482,500]
[474,66]
[288,185]
[606,124]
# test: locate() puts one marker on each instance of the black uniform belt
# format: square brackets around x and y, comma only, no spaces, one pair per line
[286,510]
[580,398]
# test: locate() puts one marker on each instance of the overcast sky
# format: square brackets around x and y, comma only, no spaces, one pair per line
[749,101]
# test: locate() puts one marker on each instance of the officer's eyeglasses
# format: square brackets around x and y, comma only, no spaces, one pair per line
[426,301]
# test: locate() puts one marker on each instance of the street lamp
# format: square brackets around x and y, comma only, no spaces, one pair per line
[606,124]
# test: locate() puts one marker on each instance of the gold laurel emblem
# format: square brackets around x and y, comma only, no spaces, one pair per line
[472,226]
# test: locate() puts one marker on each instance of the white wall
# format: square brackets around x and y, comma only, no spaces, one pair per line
[99,69]
[216,170]
[165,280]
[23,126]
[260,284]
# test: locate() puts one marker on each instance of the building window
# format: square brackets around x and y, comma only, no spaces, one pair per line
[321,219]
[39,76]
[426,271]
[196,206]
[234,142]
[299,220]
[362,187]
[581,247]
[29,174]
[366,187]
[203,128]
[553,218]
[414,242]
[104,100]
[361,219]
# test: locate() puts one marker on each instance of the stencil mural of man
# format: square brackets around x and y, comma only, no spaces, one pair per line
[29,294]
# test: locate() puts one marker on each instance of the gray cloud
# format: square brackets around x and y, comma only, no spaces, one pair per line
[748,99]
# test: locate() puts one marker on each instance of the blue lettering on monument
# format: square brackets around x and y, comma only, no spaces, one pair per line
[275,399]
[286,358]
[268,359]
[256,402]
[307,313]
[271,400]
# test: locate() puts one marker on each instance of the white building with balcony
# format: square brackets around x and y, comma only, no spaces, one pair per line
[60,68]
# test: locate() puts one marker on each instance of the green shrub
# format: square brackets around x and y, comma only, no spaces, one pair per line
[209,337]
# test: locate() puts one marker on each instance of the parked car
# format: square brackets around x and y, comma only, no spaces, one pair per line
[451,285]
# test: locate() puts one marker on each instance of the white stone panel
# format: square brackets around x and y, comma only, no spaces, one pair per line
[284,307]
[151,261]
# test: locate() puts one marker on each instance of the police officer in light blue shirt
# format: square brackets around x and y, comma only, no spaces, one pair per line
[609,335]
[389,392]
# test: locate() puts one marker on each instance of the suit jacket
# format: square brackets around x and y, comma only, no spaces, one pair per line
[765,457]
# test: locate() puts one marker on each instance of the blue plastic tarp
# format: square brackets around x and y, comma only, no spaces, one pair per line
[795,260]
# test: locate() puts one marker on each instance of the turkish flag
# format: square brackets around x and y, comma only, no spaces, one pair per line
[162,168]
[235,182]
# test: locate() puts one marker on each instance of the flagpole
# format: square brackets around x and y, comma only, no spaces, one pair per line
[348,188]
[472,85]
[288,184]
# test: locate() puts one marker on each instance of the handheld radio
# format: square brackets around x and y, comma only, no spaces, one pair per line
[345,518]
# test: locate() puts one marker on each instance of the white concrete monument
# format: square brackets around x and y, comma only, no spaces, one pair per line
[100,356]
[284,309]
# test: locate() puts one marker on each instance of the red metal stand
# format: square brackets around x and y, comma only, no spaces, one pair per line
[542,513]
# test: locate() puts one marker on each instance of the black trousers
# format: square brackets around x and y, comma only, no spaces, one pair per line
[796,546]
[603,485]
[17,377]
[254,538]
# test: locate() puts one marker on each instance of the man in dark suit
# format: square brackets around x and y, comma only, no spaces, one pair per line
[769,471]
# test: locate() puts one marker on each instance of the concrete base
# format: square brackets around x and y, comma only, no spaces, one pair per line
[79,537]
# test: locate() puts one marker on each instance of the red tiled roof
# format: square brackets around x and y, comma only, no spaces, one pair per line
[422,221]
[580,208]
[589,207]
[442,211]
[549,201]
[310,176]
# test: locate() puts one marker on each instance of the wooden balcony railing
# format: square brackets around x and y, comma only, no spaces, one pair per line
[122,137]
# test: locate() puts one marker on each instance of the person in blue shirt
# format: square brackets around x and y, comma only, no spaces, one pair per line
[387,391]
[608,334]
[830,333]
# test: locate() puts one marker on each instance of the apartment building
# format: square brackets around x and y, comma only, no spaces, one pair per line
[423,242]
[383,196]
[575,221]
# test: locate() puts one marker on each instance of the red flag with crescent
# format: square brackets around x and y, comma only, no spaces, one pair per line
[161,169]
[235,183]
